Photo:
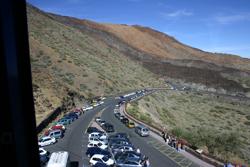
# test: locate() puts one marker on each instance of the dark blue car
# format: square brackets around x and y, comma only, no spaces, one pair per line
[95,150]
[100,164]
[43,159]
[71,116]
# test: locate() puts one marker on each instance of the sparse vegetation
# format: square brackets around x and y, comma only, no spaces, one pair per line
[204,121]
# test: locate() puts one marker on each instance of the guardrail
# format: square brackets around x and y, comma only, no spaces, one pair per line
[157,130]
[48,119]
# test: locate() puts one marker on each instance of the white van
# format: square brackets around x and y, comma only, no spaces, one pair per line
[59,159]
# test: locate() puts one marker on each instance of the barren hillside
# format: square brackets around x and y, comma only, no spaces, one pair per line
[93,59]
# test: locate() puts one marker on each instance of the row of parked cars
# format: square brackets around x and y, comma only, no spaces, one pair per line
[108,127]
[55,132]
[111,150]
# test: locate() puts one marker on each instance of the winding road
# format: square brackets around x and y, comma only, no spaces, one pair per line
[76,139]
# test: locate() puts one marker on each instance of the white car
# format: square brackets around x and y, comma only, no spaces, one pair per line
[101,158]
[98,135]
[97,119]
[123,149]
[116,110]
[47,140]
[97,104]
[42,151]
[87,108]
[100,145]
[96,140]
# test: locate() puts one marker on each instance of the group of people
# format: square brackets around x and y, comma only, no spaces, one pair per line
[173,142]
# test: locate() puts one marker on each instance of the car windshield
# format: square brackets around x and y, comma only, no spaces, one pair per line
[105,159]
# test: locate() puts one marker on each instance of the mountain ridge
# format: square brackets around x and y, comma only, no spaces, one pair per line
[69,54]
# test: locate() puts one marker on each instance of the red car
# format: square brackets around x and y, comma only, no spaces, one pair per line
[78,111]
[55,127]
[61,127]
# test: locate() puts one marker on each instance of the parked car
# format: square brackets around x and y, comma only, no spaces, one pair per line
[97,119]
[71,116]
[101,122]
[132,155]
[99,145]
[58,126]
[64,121]
[116,136]
[125,120]
[116,143]
[100,164]
[131,124]
[43,159]
[96,150]
[47,140]
[101,158]
[121,117]
[77,111]
[59,158]
[129,163]
[57,133]
[93,129]
[86,108]
[98,135]
[42,151]
[117,115]
[122,148]
[97,140]
[142,130]
[116,110]
[108,127]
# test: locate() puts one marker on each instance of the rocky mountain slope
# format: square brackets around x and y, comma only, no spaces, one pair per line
[66,60]
[93,59]
[167,57]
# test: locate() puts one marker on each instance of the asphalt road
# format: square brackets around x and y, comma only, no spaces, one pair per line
[75,140]
[157,159]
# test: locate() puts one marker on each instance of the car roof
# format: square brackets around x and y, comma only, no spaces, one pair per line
[142,126]
[98,156]
[55,130]
[46,137]
[95,133]
[58,159]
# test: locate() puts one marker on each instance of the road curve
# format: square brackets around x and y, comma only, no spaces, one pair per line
[157,159]
[75,139]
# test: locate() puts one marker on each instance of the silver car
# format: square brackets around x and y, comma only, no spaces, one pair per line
[129,163]
[142,130]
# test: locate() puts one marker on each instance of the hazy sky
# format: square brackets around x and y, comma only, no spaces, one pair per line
[210,25]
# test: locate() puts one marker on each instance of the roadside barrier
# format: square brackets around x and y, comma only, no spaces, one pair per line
[204,157]
[48,120]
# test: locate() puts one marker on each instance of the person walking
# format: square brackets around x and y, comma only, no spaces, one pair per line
[179,146]
[163,136]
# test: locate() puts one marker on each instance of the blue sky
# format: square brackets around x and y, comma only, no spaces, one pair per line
[211,25]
